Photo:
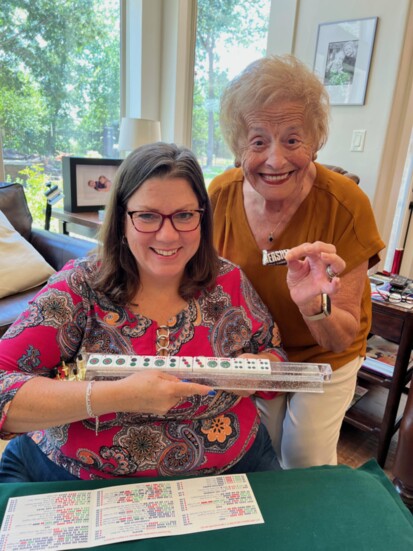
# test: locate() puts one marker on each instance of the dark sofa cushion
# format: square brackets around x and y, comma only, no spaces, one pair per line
[55,248]
[11,307]
[14,205]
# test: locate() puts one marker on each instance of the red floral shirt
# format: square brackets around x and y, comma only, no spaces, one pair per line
[202,435]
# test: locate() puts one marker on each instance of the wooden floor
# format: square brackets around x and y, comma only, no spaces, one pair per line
[355,447]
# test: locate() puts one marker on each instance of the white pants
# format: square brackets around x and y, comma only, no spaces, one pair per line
[305,427]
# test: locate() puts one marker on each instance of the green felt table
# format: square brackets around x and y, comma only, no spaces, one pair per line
[322,508]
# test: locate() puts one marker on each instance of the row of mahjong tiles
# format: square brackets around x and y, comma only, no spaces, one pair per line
[194,364]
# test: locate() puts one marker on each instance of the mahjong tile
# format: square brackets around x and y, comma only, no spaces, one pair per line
[108,360]
[207,364]
[264,365]
[155,362]
[246,366]
[172,363]
[185,362]
[225,365]
[95,360]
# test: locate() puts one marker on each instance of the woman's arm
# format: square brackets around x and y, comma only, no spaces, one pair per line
[307,279]
[43,403]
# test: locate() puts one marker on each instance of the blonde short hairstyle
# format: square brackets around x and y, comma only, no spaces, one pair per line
[266,82]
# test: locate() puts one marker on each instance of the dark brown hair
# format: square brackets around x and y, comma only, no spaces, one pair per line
[118,276]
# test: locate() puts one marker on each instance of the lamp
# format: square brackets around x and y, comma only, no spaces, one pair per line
[136,132]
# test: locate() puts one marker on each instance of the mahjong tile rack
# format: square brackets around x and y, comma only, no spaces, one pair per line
[220,373]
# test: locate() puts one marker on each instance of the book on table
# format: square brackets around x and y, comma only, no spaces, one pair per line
[381,356]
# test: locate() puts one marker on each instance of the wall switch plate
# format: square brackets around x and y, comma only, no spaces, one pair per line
[357,140]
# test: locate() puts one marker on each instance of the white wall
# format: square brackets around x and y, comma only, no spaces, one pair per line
[374,115]
[385,115]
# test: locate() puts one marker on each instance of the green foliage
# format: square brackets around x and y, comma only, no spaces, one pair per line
[220,24]
[59,83]
[337,78]
[34,183]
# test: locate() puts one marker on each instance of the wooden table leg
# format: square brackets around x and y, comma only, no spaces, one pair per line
[403,464]
[395,391]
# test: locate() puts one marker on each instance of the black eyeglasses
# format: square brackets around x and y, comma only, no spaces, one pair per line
[150,222]
[395,297]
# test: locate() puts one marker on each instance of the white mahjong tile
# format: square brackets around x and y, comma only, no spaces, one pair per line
[206,364]
[185,362]
[239,364]
[107,361]
[154,362]
[265,365]
[95,360]
[172,363]
[129,360]
[225,365]
[246,366]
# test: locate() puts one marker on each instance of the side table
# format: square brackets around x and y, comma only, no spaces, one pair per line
[82,223]
[393,323]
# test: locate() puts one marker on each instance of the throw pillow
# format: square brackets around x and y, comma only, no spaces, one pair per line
[21,266]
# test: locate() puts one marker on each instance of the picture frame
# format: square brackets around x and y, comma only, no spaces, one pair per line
[87,182]
[342,58]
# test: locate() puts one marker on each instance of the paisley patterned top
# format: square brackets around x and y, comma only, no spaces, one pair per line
[203,435]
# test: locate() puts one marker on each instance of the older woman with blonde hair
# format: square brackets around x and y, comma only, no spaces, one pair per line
[321,229]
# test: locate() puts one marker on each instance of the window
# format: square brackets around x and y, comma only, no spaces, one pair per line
[59,83]
[230,35]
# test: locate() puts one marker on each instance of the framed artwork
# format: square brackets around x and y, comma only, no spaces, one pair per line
[342,58]
[87,182]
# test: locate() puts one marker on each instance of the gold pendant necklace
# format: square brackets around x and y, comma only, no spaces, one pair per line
[270,237]
[162,340]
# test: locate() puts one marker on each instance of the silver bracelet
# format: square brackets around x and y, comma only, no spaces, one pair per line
[89,409]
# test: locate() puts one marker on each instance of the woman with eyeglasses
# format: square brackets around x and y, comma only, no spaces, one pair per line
[155,287]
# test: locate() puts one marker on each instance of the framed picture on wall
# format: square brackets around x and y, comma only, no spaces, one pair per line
[342,58]
[87,182]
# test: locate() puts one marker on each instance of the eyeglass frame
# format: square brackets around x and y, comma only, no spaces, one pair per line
[130,213]
[404,296]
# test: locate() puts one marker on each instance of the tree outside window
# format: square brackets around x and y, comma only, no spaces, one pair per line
[230,35]
[59,83]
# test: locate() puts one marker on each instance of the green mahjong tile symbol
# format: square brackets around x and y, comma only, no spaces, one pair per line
[94,361]
[159,363]
[212,363]
[120,361]
[226,364]
[107,361]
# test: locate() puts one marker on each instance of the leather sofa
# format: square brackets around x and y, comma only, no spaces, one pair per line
[344,172]
[55,248]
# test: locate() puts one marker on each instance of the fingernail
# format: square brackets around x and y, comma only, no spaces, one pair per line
[185,380]
[212,393]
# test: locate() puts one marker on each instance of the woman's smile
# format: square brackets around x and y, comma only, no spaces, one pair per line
[165,252]
[276,178]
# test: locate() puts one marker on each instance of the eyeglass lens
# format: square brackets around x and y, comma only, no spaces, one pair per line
[186,220]
[396,297]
